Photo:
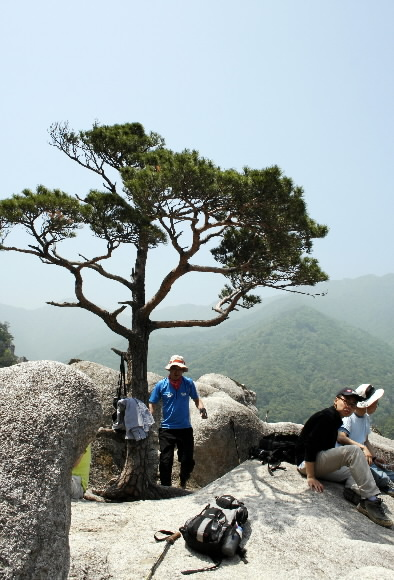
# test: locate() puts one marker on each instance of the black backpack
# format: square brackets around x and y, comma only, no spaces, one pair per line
[275,448]
[216,534]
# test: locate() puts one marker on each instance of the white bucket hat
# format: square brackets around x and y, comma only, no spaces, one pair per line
[369,393]
[177,361]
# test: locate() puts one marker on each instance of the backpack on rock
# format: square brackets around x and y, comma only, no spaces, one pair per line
[273,449]
[217,531]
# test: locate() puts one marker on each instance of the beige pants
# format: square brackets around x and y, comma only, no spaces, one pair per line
[347,464]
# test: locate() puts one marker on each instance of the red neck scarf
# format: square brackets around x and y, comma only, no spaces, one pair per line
[175,383]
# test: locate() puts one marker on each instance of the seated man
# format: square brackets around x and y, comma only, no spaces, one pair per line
[355,430]
[317,456]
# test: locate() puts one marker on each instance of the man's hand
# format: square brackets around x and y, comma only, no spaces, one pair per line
[368,455]
[203,413]
[315,484]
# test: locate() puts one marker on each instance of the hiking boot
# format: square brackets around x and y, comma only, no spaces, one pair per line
[375,512]
[389,490]
[351,495]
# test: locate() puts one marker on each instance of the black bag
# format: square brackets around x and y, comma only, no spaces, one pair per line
[204,532]
[212,533]
[275,448]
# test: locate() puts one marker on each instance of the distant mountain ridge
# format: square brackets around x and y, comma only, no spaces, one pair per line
[293,350]
[63,333]
[366,302]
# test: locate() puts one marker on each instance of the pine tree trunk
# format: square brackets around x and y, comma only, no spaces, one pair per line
[134,482]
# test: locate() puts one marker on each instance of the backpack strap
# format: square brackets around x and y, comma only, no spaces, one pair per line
[166,534]
[242,554]
[274,462]
[216,561]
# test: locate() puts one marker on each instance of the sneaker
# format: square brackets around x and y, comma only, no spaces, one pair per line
[389,490]
[351,495]
[375,512]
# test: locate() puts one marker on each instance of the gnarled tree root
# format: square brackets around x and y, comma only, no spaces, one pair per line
[114,493]
[134,484]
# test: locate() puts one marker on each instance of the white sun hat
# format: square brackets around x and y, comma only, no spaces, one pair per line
[177,361]
[369,393]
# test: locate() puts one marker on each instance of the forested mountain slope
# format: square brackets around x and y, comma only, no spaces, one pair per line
[296,361]
[63,333]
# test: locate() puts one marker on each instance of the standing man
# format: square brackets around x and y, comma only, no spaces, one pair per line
[356,429]
[175,429]
[317,456]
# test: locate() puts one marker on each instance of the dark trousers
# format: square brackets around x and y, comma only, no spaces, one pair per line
[183,440]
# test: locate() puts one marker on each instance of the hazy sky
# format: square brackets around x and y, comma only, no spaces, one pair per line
[304,84]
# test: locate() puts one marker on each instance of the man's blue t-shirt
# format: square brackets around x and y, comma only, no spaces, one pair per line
[176,413]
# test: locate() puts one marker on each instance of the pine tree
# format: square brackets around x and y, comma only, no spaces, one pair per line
[7,357]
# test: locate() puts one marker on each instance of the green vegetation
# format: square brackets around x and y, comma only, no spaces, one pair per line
[7,357]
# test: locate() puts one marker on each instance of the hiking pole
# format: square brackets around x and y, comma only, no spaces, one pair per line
[121,391]
[170,540]
[235,438]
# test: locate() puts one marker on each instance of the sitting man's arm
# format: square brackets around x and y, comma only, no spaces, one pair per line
[314,442]
[310,477]
[378,460]
[344,439]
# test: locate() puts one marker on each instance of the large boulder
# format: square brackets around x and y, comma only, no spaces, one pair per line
[384,448]
[224,439]
[292,533]
[49,412]
[212,382]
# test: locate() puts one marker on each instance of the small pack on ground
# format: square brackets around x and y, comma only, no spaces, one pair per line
[273,449]
[217,531]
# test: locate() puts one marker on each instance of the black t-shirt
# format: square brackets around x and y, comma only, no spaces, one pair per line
[319,433]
